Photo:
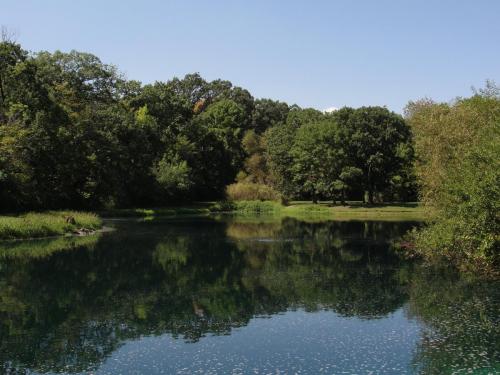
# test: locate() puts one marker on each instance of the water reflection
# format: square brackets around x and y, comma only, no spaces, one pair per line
[69,310]
[461,331]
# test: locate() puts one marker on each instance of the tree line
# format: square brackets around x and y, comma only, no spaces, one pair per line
[75,133]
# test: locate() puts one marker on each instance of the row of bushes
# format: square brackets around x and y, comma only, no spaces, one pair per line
[247,207]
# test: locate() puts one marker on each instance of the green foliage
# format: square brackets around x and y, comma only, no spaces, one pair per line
[279,140]
[247,191]
[458,167]
[268,113]
[301,116]
[225,120]
[248,207]
[342,155]
[373,140]
[317,159]
[75,133]
[33,225]
[173,176]
[252,143]
[256,207]
[222,206]
[255,167]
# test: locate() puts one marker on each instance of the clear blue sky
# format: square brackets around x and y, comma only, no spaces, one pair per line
[313,53]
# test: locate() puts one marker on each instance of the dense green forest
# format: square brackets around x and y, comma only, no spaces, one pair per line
[74,133]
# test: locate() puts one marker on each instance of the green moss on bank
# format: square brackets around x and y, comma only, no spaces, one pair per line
[46,224]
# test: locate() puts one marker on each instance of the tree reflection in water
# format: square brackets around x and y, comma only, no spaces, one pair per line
[69,310]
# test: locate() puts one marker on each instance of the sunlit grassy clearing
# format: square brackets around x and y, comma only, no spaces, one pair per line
[356,211]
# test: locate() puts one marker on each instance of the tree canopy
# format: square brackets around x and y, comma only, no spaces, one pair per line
[75,133]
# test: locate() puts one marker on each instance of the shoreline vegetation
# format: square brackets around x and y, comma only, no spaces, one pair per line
[48,224]
[64,223]
[76,134]
[61,230]
[299,209]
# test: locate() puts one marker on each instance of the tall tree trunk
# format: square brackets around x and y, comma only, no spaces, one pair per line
[370,188]
[370,195]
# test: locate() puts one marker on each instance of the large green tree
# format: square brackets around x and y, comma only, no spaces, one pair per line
[225,119]
[268,113]
[376,142]
[317,159]
[279,141]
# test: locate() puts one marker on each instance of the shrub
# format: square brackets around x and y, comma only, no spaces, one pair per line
[222,206]
[459,171]
[245,191]
[257,207]
[247,207]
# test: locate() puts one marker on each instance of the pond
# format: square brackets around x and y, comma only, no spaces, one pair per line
[228,295]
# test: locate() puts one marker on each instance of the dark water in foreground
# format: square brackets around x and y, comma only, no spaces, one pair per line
[206,296]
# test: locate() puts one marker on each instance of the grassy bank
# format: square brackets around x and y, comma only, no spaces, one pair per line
[357,211]
[51,223]
[325,210]
[303,210]
[54,223]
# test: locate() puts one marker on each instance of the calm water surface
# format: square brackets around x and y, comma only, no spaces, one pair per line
[240,296]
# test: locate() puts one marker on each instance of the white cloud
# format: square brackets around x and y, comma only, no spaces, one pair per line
[330,109]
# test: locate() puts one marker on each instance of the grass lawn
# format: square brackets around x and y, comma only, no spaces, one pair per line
[357,211]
